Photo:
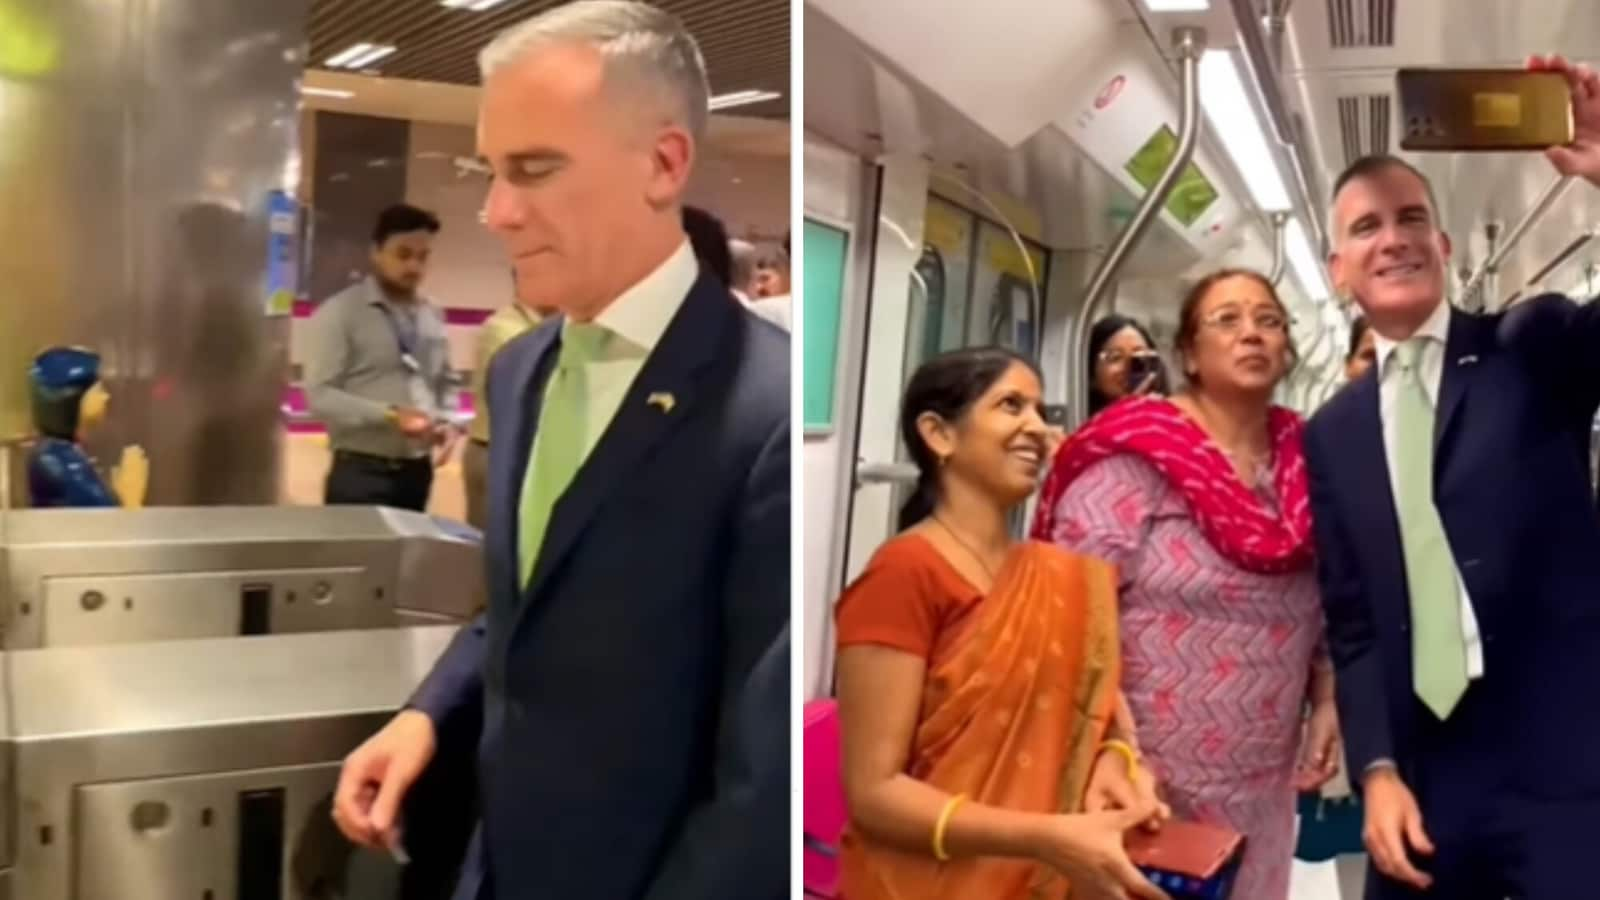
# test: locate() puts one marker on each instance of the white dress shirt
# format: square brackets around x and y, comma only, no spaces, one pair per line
[777,310]
[637,319]
[1436,331]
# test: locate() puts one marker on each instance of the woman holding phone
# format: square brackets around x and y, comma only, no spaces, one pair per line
[1122,361]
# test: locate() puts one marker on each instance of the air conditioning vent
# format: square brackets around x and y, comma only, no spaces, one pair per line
[1364,125]
[1361,23]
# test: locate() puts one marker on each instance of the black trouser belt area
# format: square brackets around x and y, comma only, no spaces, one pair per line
[380,462]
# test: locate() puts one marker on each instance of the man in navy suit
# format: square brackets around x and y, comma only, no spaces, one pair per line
[1459,555]
[631,672]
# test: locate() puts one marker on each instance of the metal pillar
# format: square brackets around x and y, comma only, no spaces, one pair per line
[1189,43]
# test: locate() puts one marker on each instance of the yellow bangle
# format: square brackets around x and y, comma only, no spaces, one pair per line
[1128,753]
[944,821]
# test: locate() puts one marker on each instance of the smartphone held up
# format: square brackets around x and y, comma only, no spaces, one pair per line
[1483,109]
[1144,372]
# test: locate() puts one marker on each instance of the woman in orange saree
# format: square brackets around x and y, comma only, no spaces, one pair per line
[985,749]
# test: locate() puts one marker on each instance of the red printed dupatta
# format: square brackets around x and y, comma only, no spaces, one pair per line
[1232,517]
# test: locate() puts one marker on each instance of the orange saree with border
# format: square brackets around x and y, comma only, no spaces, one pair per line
[1018,697]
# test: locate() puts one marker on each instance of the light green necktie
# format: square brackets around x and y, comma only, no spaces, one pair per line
[559,444]
[1438,651]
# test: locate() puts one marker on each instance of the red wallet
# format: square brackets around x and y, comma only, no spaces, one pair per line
[1191,849]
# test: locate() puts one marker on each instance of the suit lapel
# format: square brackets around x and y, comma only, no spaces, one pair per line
[517,406]
[1461,365]
[694,338]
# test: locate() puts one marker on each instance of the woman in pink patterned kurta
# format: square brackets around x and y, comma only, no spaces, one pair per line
[1200,502]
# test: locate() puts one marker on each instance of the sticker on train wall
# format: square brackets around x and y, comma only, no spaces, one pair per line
[1193,193]
[1108,94]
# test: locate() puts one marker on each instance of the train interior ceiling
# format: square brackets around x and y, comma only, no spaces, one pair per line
[1055,111]
[1045,130]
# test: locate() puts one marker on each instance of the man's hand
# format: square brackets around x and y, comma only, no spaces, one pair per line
[1393,821]
[376,776]
[445,437]
[1581,158]
[412,423]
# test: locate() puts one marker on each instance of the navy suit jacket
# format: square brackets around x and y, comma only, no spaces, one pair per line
[1511,481]
[634,696]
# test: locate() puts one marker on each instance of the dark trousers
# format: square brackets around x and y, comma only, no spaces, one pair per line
[357,479]
[1493,841]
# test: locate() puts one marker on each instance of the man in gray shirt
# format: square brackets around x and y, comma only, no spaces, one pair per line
[377,372]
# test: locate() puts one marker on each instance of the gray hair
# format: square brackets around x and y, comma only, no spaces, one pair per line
[777,259]
[646,50]
[745,259]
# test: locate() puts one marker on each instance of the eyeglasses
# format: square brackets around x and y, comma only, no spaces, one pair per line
[1229,321]
[1118,357]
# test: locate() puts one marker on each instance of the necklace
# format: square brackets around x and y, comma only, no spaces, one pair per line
[976,557]
[1258,465]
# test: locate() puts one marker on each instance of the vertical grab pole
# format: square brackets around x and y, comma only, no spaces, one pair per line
[1491,263]
[1280,239]
[1189,44]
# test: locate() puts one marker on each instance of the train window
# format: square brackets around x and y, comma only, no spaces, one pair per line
[1003,285]
[940,290]
[972,285]
[827,250]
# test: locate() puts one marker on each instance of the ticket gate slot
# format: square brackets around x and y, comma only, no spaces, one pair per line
[80,611]
[200,770]
[86,577]
[257,835]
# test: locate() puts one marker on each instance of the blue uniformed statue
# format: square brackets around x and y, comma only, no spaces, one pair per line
[68,402]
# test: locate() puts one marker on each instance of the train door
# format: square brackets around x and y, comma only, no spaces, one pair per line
[943,278]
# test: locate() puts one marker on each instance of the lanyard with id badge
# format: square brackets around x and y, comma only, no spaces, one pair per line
[408,340]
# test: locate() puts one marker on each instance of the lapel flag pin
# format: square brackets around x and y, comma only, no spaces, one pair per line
[662,399]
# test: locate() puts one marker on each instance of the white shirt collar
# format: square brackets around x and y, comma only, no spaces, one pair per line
[1436,328]
[640,315]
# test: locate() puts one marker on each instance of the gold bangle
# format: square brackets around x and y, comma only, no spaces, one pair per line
[944,821]
[1128,753]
